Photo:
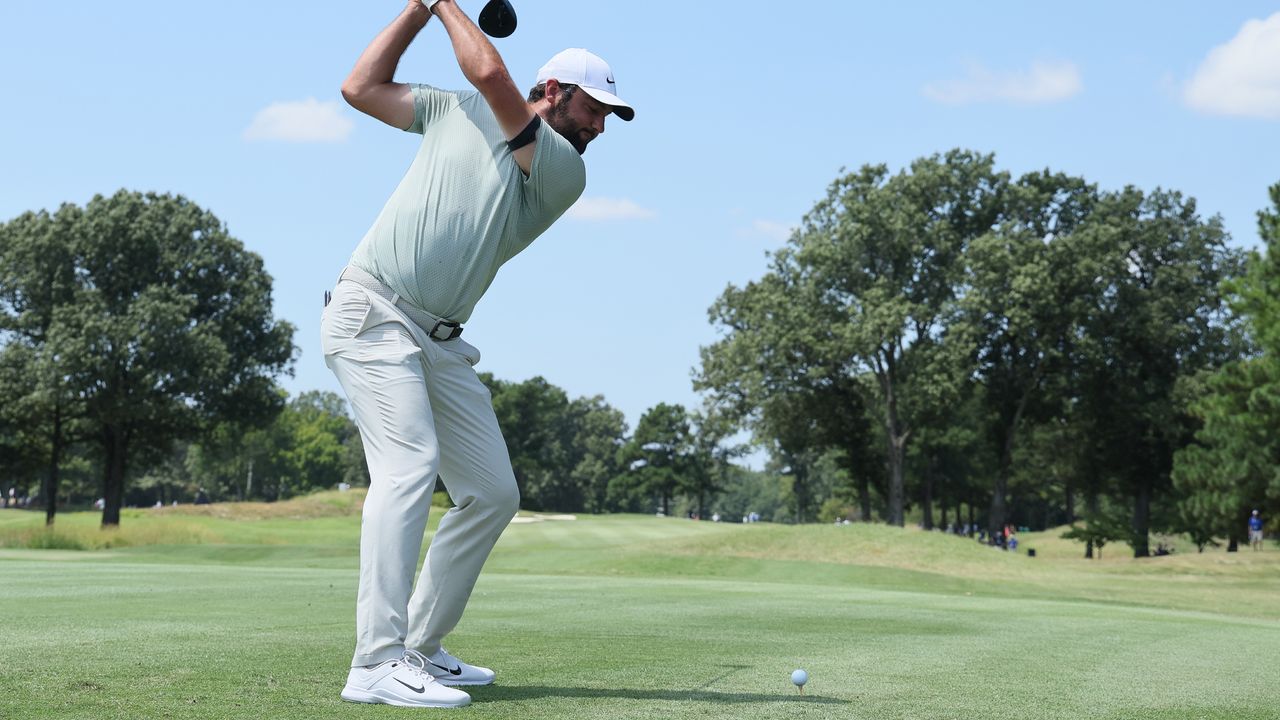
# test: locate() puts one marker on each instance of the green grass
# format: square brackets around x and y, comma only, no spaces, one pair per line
[243,612]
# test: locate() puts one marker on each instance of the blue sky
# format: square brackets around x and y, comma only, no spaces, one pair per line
[745,112]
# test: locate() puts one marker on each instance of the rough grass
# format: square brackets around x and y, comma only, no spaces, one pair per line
[178,525]
[328,503]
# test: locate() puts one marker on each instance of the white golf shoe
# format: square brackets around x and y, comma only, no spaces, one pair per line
[449,670]
[403,682]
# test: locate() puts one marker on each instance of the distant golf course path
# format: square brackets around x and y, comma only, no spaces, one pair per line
[618,617]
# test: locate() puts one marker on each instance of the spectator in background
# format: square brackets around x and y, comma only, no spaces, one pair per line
[1255,531]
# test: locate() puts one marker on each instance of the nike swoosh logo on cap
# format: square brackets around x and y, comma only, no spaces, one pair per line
[609,79]
[419,689]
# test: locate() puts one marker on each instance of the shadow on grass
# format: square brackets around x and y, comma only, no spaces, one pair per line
[501,693]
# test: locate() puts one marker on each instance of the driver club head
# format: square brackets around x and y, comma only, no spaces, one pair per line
[498,18]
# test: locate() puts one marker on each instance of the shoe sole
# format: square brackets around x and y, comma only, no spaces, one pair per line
[455,683]
[374,697]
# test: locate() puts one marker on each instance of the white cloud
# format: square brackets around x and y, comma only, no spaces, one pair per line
[304,121]
[1241,77]
[1045,82]
[772,230]
[598,208]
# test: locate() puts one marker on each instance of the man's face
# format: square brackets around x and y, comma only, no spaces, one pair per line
[578,117]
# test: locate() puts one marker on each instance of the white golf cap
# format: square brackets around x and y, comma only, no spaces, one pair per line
[588,71]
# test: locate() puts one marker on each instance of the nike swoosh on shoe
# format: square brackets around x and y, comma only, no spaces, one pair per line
[420,689]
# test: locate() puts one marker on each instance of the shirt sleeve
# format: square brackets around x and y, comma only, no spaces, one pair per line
[429,105]
[556,180]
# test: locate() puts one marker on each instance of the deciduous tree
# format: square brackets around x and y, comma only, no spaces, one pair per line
[166,329]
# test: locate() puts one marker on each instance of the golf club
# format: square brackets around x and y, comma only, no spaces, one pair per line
[498,18]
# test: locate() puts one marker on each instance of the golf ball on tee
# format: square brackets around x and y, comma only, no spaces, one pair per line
[800,677]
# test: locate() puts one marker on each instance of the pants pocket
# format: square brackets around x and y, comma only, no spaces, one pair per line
[344,317]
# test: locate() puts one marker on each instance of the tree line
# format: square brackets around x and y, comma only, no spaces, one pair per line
[1024,351]
[946,343]
[139,364]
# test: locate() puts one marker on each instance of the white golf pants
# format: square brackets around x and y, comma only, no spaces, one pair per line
[421,410]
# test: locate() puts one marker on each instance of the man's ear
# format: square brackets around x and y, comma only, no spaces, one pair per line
[552,90]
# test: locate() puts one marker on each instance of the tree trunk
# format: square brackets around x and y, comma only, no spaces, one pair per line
[995,521]
[999,504]
[1142,520]
[800,489]
[51,480]
[998,501]
[1091,507]
[864,496]
[943,504]
[895,482]
[114,446]
[928,493]
[896,441]
[248,482]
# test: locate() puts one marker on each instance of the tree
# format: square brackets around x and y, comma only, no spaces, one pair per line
[168,329]
[749,491]
[232,461]
[24,449]
[532,417]
[1020,311]
[564,453]
[37,282]
[658,456]
[1234,464]
[312,444]
[950,457]
[1101,527]
[870,279]
[1157,315]
[320,432]
[767,375]
[710,454]
[599,432]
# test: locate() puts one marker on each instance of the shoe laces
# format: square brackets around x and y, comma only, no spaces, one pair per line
[417,662]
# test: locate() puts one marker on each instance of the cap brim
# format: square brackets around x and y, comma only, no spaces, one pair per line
[620,108]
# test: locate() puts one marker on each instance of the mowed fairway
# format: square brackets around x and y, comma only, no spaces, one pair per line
[637,617]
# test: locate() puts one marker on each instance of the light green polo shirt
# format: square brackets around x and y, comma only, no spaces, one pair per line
[465,207]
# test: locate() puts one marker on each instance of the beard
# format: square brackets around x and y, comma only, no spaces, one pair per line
[560,121]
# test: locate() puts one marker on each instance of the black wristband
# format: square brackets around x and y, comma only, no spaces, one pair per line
[527,135]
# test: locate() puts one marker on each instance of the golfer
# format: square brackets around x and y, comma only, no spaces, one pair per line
[495,169]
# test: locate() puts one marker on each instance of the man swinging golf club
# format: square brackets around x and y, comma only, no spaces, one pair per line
[493,172]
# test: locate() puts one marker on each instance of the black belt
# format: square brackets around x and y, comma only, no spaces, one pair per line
[435,327]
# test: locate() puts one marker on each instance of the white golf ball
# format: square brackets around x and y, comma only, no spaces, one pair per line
[800,677]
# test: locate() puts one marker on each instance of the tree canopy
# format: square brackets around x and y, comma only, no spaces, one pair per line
[152,324]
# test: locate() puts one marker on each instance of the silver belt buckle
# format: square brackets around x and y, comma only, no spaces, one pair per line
[445,330]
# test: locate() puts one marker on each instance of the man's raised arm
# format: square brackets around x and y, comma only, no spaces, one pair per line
[369,87]
[484,69]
